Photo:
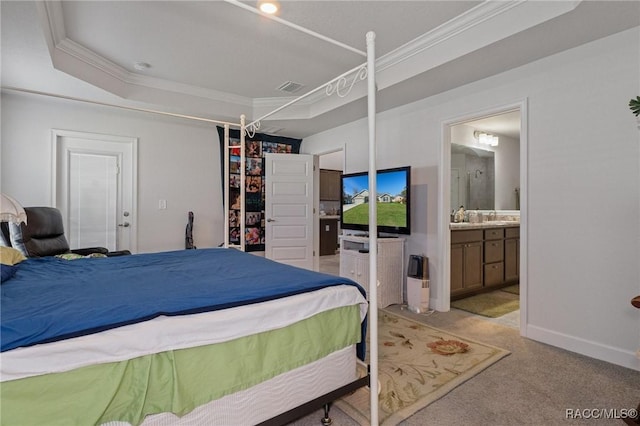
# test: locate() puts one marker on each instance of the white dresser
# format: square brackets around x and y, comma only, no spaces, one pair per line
[354,264]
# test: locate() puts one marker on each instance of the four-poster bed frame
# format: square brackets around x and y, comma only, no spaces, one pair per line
[340,86]
[336,85]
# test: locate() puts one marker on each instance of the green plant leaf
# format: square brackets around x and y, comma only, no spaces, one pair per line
[634,104]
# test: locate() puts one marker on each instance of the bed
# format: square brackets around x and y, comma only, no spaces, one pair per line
[234,403]
[208,336]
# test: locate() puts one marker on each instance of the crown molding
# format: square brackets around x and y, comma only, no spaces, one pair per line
[473,17]
[60,46]
[495,18]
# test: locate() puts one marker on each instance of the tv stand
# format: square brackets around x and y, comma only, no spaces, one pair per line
[354,264]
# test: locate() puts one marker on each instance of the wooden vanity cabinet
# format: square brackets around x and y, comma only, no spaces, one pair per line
[512,255]
[484,259]
[466,261]
[493,256]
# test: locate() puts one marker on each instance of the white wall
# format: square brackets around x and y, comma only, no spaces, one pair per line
[178,161]
[583,202]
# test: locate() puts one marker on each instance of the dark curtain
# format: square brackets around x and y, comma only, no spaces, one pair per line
[255,148]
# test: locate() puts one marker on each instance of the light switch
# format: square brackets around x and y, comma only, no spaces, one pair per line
[326,228]
[162,204]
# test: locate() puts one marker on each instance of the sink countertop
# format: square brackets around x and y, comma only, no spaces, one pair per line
[329,216]
[482,225]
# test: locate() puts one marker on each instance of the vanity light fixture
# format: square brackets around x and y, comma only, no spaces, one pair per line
[269,7]
[485,138]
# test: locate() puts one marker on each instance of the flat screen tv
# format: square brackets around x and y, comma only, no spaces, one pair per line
[393,201]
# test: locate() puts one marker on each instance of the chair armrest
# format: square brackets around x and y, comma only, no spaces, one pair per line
[118,253]
[90,250]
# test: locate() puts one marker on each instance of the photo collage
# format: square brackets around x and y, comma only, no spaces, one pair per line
[254,190]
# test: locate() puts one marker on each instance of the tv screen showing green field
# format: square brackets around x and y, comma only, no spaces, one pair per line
[391,199]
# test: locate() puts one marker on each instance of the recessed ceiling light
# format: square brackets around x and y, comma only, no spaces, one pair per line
[141,66]
[269,7]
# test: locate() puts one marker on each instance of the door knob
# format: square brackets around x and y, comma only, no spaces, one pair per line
[124,225]
[271,220]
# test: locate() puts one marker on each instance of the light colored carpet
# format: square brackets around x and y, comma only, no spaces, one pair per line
[417,365]
[494,304]
[533,386]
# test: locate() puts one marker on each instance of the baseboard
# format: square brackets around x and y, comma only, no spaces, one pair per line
[622,357]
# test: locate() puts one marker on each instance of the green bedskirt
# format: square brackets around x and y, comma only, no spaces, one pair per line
[174,381]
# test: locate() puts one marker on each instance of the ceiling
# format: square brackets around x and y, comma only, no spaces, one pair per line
[217,60]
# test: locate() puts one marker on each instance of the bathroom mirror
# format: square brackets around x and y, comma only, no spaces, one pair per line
[472,178]
[486,177]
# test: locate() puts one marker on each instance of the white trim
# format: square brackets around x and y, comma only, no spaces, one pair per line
[585,347]
[442,303]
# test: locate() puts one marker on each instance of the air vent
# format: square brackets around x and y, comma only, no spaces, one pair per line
[290,87]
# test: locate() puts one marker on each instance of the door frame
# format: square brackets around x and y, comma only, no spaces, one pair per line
[56,137]
[444,191]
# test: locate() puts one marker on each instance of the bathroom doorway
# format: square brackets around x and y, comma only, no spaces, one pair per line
[487,177]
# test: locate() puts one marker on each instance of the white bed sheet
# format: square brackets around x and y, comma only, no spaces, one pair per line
[171,333]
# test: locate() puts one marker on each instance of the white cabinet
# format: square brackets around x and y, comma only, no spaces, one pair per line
[354,264]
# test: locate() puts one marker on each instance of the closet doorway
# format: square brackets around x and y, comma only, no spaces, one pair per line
[490,180]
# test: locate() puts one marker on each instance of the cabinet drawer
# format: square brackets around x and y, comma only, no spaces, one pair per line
[493,234]
[493,251]
[512,232]
[466,236]
[493,273]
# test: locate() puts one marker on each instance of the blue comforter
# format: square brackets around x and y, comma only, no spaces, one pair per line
[51,299]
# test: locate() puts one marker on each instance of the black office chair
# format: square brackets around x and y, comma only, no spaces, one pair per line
[43,235]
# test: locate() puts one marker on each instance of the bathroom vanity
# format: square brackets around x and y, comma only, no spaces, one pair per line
[484,257]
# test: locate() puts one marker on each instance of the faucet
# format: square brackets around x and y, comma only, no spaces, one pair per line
[492,215]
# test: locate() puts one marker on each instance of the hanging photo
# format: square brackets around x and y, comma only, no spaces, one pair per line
[234,235]
[254,166]
[234,181]
[254,149]
[235,151]
[234,164]
[254,183]
[269,147]
[234,199]
[284,148]
[253,219]
[253,236]
[234,142]
[234,218]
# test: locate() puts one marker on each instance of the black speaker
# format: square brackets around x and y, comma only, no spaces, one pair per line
[418,267]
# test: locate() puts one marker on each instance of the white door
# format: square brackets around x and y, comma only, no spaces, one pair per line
[289,212]
[95,190]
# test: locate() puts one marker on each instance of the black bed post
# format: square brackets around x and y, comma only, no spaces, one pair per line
[326,420]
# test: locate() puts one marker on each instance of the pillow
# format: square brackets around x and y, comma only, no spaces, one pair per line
[10,256]
[8,271]
[15,233]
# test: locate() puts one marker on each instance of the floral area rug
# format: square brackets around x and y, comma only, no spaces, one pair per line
[417,364]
